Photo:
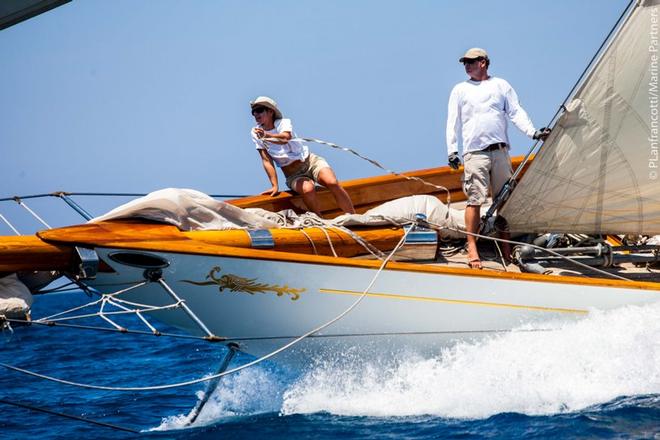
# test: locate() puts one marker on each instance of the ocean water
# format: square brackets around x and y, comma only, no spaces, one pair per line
[595,378]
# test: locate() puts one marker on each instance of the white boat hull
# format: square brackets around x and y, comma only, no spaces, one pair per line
[264,303]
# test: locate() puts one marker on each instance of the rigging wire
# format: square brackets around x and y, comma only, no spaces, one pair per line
[103,329]
[34,214]
[4,219]
[268,338]
[59,194]
[68,416]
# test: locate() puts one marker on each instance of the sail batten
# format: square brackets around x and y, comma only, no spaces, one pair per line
[598,171]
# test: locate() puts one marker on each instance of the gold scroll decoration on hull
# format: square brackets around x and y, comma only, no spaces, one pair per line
[237,283]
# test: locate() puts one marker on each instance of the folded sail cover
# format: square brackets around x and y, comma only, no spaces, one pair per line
[191,210]
[599,170]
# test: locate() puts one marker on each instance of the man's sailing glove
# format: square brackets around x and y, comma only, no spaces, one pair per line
[542,134]
[454,161]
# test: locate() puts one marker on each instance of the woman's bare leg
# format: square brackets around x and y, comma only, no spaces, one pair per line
[328,179]
[306,187]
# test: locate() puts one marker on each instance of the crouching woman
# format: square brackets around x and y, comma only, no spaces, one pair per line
[274,138]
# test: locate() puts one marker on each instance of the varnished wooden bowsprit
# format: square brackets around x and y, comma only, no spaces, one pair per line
[31,253]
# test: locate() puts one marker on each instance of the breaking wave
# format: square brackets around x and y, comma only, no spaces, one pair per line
[566,367]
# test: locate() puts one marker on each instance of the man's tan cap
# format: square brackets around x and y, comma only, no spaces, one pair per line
[474,53]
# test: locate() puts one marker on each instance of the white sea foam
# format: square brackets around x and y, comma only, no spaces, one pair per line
[252,391]
[573,366]
[565,367]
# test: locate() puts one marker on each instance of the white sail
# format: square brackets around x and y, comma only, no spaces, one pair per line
[598,171]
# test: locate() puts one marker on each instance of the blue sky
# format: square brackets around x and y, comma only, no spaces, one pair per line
[136,95]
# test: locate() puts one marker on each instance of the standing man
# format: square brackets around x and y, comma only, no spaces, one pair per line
[478,111]
[274,139]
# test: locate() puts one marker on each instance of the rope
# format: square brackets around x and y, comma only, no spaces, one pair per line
[125,309]
[371,161]
[373,250]
[311,220]
[119,292]
[327,236]
[310,241]
[228,372]
[501,255]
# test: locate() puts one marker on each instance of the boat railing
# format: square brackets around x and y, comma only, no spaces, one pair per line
[17,223]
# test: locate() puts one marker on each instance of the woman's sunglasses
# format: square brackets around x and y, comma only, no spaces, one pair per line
[258,110]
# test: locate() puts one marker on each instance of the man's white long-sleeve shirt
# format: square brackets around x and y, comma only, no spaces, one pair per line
[478,110]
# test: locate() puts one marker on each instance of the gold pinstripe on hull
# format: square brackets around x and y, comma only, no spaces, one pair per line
[456,301]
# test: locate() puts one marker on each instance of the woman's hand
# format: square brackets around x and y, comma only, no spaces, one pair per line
[259,132]
[272,191]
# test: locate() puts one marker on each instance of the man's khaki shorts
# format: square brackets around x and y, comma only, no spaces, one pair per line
[484,169]
[309,168]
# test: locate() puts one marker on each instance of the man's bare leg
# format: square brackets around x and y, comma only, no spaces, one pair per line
[472,219]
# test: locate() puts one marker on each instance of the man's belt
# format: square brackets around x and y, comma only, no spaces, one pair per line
[493,147]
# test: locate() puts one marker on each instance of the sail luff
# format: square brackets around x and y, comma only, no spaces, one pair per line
[504,194]
[597,173]
[597,60]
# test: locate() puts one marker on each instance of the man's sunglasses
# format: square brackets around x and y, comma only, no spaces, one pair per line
[258,110]
[471,61]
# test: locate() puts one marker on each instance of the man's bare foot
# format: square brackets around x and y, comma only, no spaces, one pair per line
[475,264]
[473,258]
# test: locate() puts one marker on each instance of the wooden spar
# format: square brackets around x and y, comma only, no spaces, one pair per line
[124,233]
[18,253]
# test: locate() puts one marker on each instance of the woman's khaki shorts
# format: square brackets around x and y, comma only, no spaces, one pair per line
[484,169]
[309,169]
